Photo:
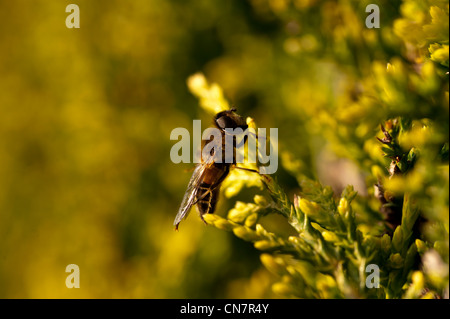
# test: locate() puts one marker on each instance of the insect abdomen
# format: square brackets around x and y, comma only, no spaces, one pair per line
[208,199]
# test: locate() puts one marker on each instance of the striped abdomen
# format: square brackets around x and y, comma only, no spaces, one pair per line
[208,199]
[209,189]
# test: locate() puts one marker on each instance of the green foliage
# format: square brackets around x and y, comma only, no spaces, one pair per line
[329,255]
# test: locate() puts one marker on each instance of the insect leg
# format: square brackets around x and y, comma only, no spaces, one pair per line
[211,188]
[247,169]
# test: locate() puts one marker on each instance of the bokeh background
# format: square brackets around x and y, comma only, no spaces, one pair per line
[86,115]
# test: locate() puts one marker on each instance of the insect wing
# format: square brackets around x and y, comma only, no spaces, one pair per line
[191,191]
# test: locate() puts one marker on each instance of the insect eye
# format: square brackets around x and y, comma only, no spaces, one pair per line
[226,122]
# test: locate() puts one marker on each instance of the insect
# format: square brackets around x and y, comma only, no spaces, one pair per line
[204,186]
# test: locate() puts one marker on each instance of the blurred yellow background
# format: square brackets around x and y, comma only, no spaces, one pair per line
[85,172]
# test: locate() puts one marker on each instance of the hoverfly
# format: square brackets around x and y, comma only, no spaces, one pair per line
[204,186]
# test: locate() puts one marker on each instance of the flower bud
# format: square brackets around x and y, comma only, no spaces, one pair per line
[274,265]
[251,220]
[239,213]
[265,245]
[418,279]
[421,246]
[311,209]
[282,288]
[260,200]
[245,233]
[386,243]
[397,239]
[396,261]
[343,206]
[330,236]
